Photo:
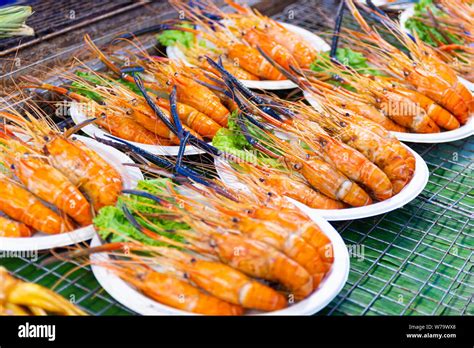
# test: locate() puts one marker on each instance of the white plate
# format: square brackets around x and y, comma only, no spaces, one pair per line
[379,3]
[331,285]
[431,138]
[93,130]
[407,194]
[443,137]
[175,53]
[42,241]
[457,134]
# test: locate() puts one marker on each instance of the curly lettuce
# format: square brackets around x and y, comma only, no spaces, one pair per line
[85,90]
[113,225]
[231,140]
[346,56]
[172,37]
[93,79]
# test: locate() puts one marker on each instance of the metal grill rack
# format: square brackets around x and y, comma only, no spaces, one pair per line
[417,260]
[69,15]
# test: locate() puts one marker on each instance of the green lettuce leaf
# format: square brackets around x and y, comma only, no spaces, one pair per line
[231,140]
[171,37]
[93,79]
[112,223]
[346,56]
[113,226]
[426,33]
[85,90]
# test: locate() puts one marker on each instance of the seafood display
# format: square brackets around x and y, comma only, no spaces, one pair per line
[50,182]
[195,244]
[421,69]
[236,38]
[242,229]
[22,298]
[210,248]
[120,108]
[414,93]
[446,26]
[329,151]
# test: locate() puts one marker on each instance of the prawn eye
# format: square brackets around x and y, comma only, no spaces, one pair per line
[269,194]
[347,114]
[406,73]
[46,138]
[297,166]
[261,179]
[176,74]
[193,260]
[342,124]
[235,220]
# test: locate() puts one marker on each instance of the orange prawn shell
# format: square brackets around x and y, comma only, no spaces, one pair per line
[437,113]
[291,244]
[85,169]
[13,229]
[234,69]
[302,225]
[249,293]
[276,51]
[263,261]
[302,51]
[23,206]
[407,156]
[194,119]
[373,114]
[201,98]
[251,60]
[332,183]
[356,166]
[379,151]
[301,192]
[407,113]
[179,294]
[128,129]
[49,184]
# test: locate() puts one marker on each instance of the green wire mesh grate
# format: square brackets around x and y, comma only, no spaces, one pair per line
[417,260]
